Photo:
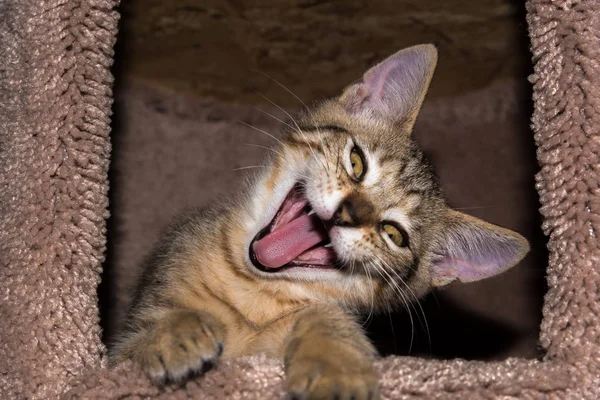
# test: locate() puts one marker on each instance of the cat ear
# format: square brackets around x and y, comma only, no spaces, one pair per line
[394,89]
[472,249]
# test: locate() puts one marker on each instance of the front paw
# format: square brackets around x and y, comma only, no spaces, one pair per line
[181,345]
[340,377]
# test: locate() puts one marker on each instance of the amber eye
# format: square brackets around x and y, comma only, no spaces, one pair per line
[357,162]
[396,235]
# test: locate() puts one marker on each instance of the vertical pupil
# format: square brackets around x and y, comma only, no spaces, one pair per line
[356,162]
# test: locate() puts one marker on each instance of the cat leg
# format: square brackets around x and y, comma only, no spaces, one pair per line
[328,357]
[178,345]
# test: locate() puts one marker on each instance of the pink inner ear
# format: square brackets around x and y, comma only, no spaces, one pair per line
[375,79]
[467,271]
[476,251]
[395,86]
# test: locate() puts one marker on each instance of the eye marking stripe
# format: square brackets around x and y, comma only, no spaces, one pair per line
[401,218]
[333,128]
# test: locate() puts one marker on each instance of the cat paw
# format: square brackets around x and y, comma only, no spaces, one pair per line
[321,381]
[180,346]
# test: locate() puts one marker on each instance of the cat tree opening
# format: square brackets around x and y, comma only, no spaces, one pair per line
[200,66]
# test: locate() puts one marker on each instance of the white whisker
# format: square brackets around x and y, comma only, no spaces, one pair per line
[249,167]
[263,147]
[394,285]
[282,86]
[424,323]
[275,118]
[473,208]
[297,129]
[260,130]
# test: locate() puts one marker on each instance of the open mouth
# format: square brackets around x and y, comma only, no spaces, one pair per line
[296,237]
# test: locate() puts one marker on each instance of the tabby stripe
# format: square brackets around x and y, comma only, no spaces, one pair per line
[334,128]
[302,143]
[412,270]
[405,164]
[274,175]
[215,297]
[379,289]
[413,191]
[389,158]
[229,259]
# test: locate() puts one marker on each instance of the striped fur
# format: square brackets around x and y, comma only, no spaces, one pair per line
[202,299]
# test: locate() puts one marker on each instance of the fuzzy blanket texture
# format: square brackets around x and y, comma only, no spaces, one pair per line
[55,88]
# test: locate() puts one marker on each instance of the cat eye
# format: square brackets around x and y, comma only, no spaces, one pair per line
[357,162]
[396,234]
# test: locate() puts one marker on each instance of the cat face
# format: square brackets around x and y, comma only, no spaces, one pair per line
[351,209]
[379,197]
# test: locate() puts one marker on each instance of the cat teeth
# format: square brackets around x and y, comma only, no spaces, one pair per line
[311,212]
[328,245]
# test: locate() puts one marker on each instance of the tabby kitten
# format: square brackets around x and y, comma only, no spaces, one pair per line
[347,217]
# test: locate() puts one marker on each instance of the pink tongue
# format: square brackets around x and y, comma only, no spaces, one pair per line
[289,241]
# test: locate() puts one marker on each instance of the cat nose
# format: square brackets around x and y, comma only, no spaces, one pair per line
[345,215]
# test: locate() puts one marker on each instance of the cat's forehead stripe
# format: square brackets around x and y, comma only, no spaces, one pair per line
[334,128]
[385,158]
[304,142]
[414,191]
[401,217]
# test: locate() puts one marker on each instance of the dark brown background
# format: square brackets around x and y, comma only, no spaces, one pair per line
[213,47]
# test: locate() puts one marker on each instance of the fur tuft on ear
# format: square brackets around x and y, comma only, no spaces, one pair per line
[472,250]
[394,89]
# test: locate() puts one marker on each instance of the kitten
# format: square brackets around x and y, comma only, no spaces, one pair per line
[348,217]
